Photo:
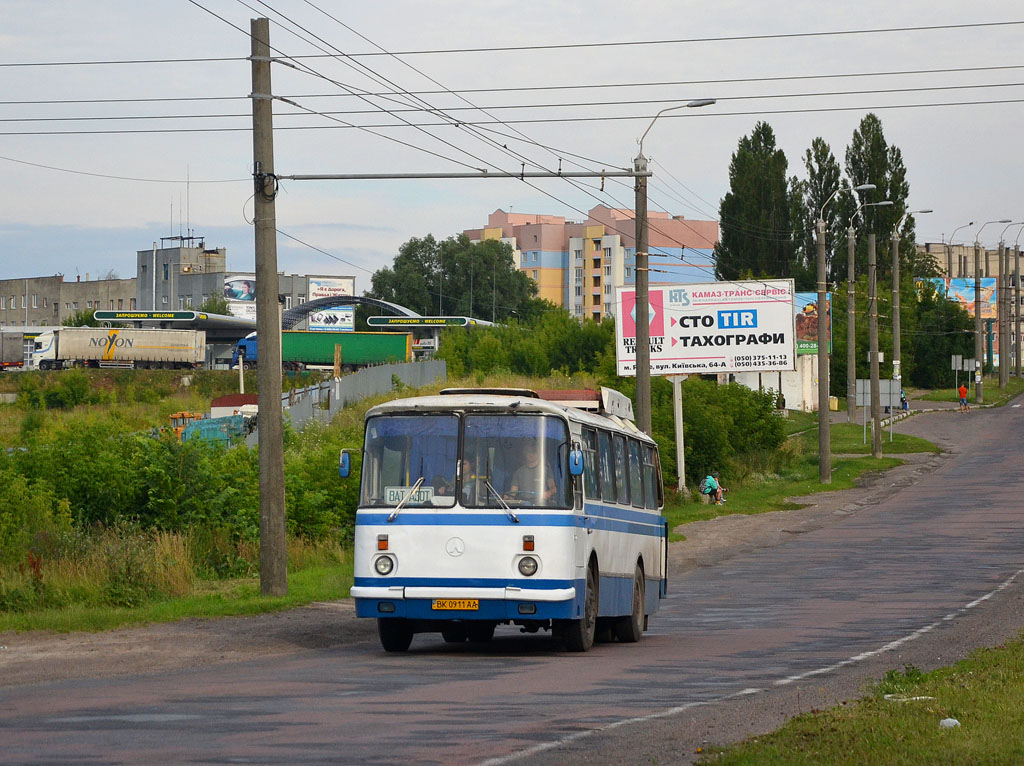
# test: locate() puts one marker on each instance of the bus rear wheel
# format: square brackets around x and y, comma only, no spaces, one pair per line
[480,632]
[630,629]
[454,633]
[579,634]
[395,634]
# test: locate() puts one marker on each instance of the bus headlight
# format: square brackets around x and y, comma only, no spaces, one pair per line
[528,566]
[384,565]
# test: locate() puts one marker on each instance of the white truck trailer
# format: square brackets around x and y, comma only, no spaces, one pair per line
[119,347]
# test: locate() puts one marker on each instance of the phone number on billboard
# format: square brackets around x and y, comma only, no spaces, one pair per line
[760,360]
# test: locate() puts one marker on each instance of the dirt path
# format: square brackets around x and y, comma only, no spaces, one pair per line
[40,657]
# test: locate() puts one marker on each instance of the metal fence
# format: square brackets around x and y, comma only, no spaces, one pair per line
[325,400]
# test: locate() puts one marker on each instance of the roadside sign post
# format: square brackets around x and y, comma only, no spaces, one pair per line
[677,411]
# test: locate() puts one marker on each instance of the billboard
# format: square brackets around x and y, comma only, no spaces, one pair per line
[711,327]
[240,291]
[334,319]
[807,322]
[331,287]
[961,290]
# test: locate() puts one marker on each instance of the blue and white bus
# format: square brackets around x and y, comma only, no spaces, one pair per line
[481,507]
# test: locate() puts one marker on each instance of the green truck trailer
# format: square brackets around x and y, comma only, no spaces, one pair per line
[301,348]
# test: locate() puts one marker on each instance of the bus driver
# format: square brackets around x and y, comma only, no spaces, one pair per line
[526,481]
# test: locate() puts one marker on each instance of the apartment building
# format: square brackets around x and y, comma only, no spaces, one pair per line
[47,301]
[579,265]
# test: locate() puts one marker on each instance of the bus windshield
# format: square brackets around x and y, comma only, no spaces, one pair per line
[521,458]
[410,458]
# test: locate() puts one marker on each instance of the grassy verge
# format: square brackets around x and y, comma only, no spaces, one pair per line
[985,693]
[990,388]
[770,494]
[848,439]
[210,599]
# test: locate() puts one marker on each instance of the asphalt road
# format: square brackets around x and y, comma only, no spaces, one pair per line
[932,571]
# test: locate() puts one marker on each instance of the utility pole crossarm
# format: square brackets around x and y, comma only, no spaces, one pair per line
[483,173]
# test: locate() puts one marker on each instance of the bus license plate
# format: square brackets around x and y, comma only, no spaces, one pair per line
[464,604]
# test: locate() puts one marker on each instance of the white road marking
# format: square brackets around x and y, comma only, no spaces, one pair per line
[543,747]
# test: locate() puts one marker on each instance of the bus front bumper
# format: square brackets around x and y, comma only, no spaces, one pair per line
[507,603]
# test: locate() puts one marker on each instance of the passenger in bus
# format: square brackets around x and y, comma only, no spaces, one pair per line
[526,481]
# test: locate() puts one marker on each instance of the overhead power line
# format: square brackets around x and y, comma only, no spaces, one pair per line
[484,123]
[528,88]
[552,46]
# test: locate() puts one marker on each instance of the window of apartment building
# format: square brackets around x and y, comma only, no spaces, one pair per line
[181,302]
[287,301]
[523,257]
[206,297]
[607,289]
[131,304]
[579,310]
[3,302]
[302,299]
[578,255]
[533,256]
[167,271]
[597,281]
[88,304]
[629,271]
[607,270]
[597,245]
[74,305]
[120,303]
[579,274]
[14,301]
[67,307]
[110,304]
[607,253]
[579,290]
[608,309]
[163,299]
[188,301]
[44,301]
[534,275]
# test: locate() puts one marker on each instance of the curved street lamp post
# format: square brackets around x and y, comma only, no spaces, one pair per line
[979,353]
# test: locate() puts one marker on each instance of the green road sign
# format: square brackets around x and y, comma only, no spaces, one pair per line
[131,316]
[419,321]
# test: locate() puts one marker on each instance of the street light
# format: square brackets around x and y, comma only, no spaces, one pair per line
[851,329]
[978,347]
[896,375]
[643,319]
[824,426]
[949,253]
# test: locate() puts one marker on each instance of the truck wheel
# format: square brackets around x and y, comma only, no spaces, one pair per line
[44,364]
[249,365]
[395,634]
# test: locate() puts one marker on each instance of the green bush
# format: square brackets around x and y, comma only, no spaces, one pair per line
[28,511]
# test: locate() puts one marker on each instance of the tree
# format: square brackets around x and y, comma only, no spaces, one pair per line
[824,178]
[81,318]
[870,159]
[458,277]
[215,304]
[756,214]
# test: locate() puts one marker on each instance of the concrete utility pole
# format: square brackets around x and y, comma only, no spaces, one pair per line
[851,328]
[897,373]
[1003,307]
[1017,307]
[824,422]
[643,320]
[876,409]
[273,539]
[979,349]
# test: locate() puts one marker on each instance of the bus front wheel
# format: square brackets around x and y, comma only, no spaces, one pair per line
[395,634]
[579,634]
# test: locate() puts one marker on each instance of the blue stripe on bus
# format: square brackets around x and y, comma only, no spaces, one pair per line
[603,517]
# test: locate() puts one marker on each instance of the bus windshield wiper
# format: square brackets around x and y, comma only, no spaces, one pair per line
[410,493]
[493,491]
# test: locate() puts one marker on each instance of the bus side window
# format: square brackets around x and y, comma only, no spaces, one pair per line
[636,484]
[621,474]
[651,494]
[606,475]
[590,485]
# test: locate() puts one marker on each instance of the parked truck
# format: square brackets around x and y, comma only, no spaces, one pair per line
[300,348]
[12,350]
[119,347]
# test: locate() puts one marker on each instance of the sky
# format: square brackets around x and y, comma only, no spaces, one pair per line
[153,150]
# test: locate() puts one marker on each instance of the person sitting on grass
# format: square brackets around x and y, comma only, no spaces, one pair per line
[713,488]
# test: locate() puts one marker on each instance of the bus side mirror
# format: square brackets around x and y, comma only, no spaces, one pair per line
[344,464]
[576,461]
